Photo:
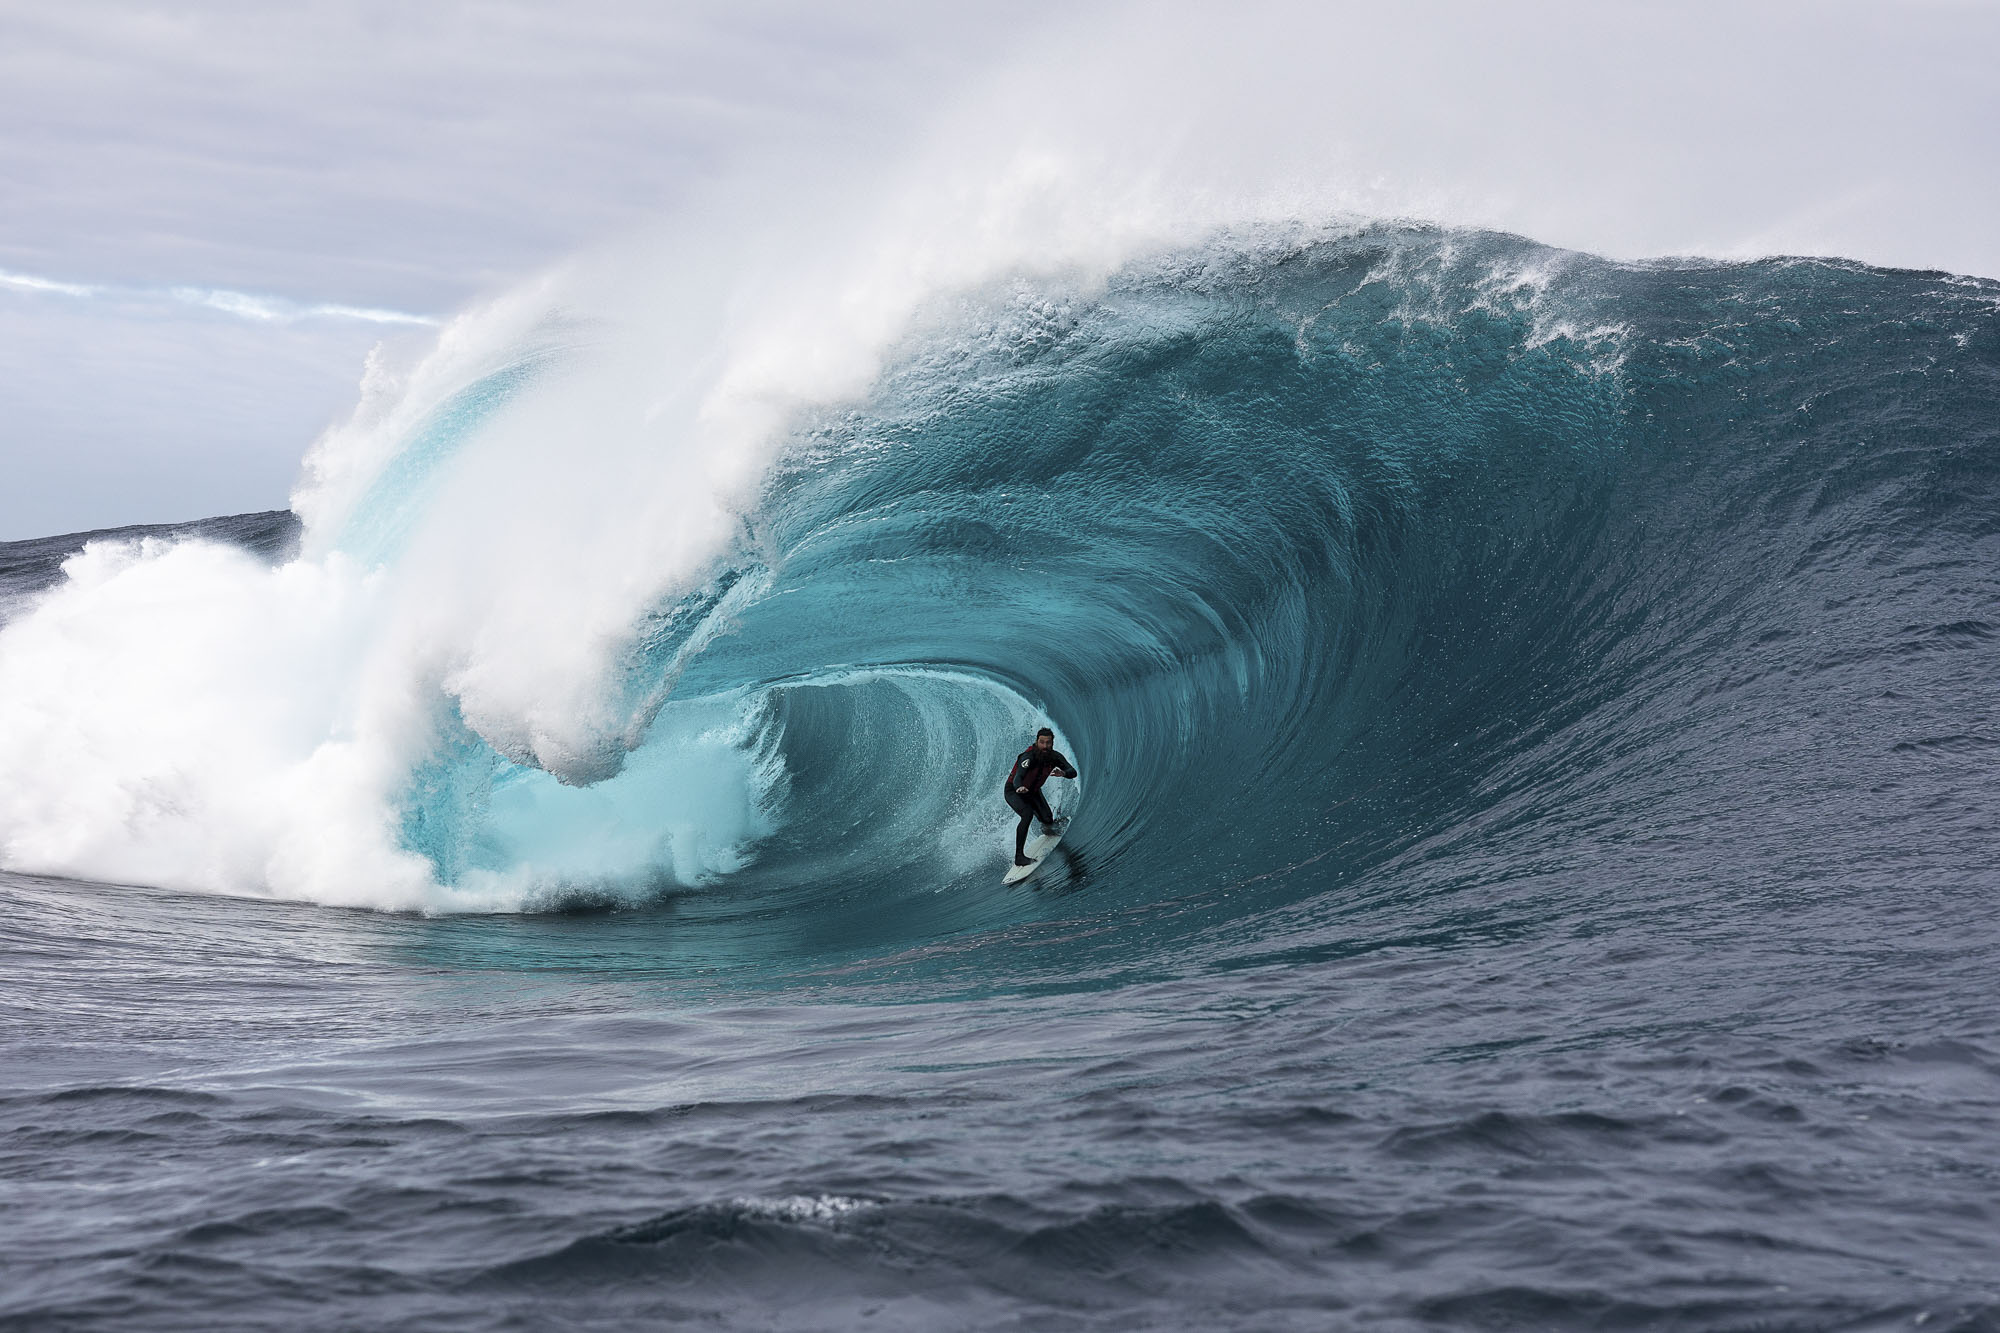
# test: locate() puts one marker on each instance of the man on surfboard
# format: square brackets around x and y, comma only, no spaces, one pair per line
[1024,787]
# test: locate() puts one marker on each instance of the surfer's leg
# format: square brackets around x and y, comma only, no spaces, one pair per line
[1027,813]
[1042,812]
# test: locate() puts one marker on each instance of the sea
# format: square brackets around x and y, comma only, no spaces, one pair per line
[1532,864]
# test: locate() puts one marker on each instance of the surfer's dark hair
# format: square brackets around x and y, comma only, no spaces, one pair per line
[1045,732]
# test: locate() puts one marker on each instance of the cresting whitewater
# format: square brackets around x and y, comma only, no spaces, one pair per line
[1531,868]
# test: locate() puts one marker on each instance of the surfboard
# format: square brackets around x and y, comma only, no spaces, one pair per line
[1038,847]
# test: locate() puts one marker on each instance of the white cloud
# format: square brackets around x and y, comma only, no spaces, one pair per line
[244,305]
[272,310]
[27,282]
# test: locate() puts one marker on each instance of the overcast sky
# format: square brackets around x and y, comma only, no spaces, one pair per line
[209,212]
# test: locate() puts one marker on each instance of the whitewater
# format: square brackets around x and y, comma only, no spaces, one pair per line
[1531,865]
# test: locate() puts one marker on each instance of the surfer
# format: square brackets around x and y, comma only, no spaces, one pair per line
[1024,787]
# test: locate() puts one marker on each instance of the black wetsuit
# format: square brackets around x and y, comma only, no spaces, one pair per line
[1031,769]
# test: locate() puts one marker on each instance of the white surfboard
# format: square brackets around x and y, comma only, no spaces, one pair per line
[1038,847]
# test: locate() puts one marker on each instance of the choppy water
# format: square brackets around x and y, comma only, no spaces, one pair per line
[1532,865]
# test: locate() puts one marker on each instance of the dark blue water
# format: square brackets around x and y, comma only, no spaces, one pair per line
[1533,864]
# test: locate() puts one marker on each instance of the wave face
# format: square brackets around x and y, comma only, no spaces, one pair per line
[1413,548]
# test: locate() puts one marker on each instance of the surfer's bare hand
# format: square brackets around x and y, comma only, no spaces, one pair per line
[1021,791]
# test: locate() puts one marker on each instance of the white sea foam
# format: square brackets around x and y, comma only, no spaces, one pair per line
[819,1208]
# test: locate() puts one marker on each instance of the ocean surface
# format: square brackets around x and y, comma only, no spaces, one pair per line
[1532,865]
